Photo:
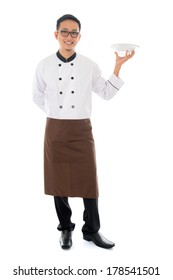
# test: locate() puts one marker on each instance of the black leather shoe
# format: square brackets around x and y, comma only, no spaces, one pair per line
[66,239]
[99,240]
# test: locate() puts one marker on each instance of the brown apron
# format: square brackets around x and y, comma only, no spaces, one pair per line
[69,159]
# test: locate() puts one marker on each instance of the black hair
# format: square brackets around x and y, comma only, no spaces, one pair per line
[65,17]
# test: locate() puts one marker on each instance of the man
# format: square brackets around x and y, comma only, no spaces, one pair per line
[63,88]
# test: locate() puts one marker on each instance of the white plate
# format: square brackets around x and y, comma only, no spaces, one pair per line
[123,47]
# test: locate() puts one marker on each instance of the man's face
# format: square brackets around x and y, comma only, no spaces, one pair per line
[67,41]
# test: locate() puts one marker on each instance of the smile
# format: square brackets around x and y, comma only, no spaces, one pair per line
[68,43]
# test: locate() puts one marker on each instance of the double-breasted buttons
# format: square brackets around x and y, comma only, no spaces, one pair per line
[66,87]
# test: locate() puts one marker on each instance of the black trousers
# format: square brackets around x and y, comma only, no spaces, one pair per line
[90,215]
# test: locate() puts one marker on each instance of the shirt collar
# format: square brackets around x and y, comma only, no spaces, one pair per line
[62,58]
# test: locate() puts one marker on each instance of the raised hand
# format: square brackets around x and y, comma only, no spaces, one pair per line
[121,59]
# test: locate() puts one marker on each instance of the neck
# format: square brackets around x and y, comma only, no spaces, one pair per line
[66,53]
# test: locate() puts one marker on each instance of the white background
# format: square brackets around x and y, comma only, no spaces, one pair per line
[133,136]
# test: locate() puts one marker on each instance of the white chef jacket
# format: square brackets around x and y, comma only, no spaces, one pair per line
[63,90]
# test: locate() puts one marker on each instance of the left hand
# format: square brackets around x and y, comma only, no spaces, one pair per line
[120,60]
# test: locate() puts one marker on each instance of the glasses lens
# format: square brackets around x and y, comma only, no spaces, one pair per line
[64,33]
[74,34]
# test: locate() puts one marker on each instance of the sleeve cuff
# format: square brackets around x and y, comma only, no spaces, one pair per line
[115,82]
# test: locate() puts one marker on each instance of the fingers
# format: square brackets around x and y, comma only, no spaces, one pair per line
[130,54]
[121,59]
[116,54]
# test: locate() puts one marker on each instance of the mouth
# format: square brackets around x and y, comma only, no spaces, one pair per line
[68,43]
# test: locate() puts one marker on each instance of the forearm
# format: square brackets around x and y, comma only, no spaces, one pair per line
[117,70]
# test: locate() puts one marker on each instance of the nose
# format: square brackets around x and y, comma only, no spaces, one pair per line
[69,38]
[69,35]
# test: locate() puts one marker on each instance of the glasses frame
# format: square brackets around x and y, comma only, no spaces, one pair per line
[69,32]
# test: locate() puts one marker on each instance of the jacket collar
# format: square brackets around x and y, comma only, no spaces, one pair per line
[62,58]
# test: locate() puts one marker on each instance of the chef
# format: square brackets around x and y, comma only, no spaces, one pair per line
[63,86]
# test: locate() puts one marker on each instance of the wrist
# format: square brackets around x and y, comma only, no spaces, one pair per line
[117,69]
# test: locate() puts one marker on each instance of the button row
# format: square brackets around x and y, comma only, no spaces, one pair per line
[61,64]
[72,92]
[60,79]
[61,107]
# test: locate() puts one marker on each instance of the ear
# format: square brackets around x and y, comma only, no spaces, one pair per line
[79,37]
[56,34]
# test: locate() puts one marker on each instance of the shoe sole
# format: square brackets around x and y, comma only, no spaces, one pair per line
[65,247]
[89,238]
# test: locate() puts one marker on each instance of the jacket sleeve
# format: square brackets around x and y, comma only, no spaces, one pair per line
[105,88]
[39,87]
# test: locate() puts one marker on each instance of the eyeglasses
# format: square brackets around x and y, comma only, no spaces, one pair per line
[73,34]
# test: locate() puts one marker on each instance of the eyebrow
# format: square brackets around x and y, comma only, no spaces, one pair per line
[66,29]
